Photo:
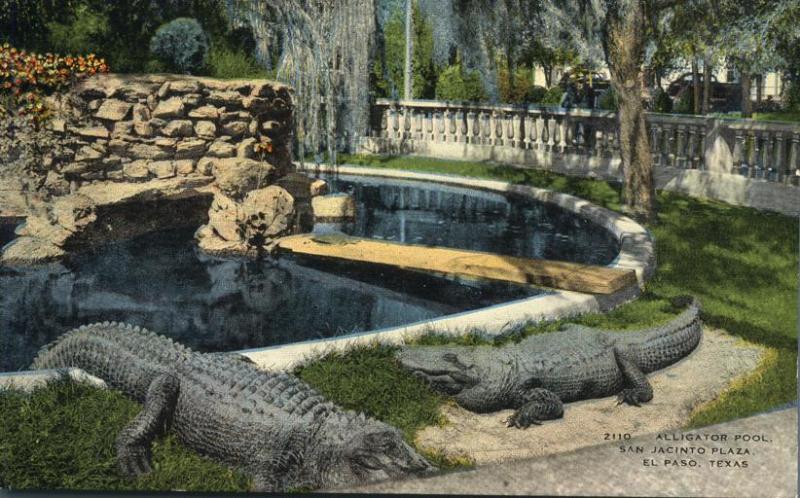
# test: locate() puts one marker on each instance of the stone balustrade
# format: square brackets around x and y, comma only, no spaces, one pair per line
[732,154]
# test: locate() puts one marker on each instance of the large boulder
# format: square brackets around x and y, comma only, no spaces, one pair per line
[251,225]
[236,176]
[333,207]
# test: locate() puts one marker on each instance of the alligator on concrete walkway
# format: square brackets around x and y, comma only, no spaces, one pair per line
[537,375]
[272,426]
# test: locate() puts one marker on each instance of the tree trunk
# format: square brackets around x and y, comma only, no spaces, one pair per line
[695,85]
[624,46]
[407,76]
[759,88]
[747,104]
[706,84]
[548,75]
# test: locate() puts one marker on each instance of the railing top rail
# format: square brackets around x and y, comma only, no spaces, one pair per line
[661,118]
[519,108]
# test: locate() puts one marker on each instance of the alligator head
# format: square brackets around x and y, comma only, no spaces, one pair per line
[468,374]
[361,450]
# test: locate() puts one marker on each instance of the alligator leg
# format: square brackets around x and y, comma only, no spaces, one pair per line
[540,404]
[640,390]
[133,443]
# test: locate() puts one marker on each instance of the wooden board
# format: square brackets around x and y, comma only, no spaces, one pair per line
[539,272]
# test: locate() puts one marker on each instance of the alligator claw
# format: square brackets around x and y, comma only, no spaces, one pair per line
[135,461]
[630,396]
[516,420]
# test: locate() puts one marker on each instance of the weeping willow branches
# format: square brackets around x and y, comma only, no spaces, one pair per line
[325,48]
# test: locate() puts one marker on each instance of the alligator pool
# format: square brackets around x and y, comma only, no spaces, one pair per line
[163,282]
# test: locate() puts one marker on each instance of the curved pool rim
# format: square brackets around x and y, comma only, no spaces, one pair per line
[637,253]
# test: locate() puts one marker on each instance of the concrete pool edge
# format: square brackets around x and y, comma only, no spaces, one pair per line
[637,253]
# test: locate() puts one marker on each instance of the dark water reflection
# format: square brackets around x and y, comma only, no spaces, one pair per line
[160,281]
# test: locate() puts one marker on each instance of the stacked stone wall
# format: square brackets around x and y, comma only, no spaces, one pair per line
[135,128]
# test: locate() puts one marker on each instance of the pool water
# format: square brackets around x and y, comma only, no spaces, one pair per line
[162,282]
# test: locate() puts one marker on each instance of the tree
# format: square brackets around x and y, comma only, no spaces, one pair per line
[751,37]
[423,69]
[618,31]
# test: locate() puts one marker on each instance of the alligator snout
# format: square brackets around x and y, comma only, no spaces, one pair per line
[442,370]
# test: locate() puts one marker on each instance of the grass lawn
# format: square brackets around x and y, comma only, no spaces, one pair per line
[741,263]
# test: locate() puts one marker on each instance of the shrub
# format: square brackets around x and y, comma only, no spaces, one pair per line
[662,102]
[456,83]
[535,94]
[552,96]
[608,100]
[226,63]
[181,44]
[84,33]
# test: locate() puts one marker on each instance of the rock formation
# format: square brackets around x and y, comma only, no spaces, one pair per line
[146,152]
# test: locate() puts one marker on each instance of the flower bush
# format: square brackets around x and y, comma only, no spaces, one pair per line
[26,77]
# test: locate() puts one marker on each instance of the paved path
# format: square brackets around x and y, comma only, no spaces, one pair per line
[606,471]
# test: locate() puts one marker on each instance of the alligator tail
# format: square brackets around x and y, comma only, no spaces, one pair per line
[659,347]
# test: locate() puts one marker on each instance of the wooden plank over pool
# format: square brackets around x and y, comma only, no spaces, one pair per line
[539,272]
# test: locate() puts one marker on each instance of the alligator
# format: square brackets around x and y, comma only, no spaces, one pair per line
[536,376]
[270,425]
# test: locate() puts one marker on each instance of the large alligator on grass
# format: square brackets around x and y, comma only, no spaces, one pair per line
[272,426]
[537,375]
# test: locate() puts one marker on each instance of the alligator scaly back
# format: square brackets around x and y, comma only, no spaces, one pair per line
[538,374]
[269,424]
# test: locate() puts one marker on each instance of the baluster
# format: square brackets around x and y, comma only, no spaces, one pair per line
[436,119]
[691,149]
[515,131]
[395,123]
[470,124]
[408,123]
[558,144]
[793,169]
[738,153]
[680,148]
[778,157]
[580,139]
[530,127]
[598,138]
[418,124]
[606,140]
[752,161]
[500,129]
[486,127]
[451,127]
[701,154]
[667,150]
[385,117]
[429,126]
[545,144]
[766,150]
[655,149]
[463,126]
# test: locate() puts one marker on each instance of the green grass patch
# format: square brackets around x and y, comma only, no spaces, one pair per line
[368,379]
[62,437]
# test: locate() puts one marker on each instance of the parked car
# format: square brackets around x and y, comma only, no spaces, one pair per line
[587,86]
[725,97]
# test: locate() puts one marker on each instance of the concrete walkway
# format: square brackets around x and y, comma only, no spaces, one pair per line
[766,465]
